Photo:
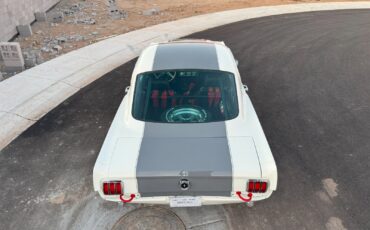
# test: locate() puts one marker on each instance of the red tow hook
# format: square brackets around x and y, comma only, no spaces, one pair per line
[244,199]
[132,196]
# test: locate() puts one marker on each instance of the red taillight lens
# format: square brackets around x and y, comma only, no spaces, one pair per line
[119,188]
[257,186]
[250,186]
[263,187]
[112,188]
[106,188]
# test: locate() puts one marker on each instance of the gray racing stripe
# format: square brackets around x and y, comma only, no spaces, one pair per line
[186,56]
[197,152]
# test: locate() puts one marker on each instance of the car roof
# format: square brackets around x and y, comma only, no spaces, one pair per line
[186,54]
[201,41]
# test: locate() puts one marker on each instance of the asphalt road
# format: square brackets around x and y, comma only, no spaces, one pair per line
[309,80]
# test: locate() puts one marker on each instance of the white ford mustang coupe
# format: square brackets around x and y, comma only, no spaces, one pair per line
[186,133]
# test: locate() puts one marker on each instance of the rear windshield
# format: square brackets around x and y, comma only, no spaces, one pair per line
[185,96]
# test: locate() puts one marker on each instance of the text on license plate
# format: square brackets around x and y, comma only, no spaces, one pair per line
[185,201]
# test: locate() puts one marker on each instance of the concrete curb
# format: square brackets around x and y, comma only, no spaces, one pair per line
[28,96]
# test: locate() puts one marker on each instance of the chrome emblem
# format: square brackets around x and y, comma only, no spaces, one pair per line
[184,173]
[184,184]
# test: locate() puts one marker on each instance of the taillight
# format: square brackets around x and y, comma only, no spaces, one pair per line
[257,186]
[112,188]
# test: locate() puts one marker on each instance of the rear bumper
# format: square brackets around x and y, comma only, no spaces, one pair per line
[206,200]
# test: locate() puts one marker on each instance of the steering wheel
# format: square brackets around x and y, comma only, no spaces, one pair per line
[185,114]
[171,75]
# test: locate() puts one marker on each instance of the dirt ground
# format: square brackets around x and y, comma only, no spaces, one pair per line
[89,21]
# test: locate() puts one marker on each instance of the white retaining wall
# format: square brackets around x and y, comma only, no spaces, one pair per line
[18,12]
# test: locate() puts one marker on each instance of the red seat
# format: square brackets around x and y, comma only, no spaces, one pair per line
[171,93]
[217,97]
[160,98]
[155,98]
[211,96]
[214,96]
[164,99]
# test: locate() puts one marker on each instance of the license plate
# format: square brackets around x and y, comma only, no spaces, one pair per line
[185,201]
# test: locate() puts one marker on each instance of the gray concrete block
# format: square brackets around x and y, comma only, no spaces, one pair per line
[30,62]
[13,69]
[12,56]
[29,59]
[40,16]
[56,17]
[24,30]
